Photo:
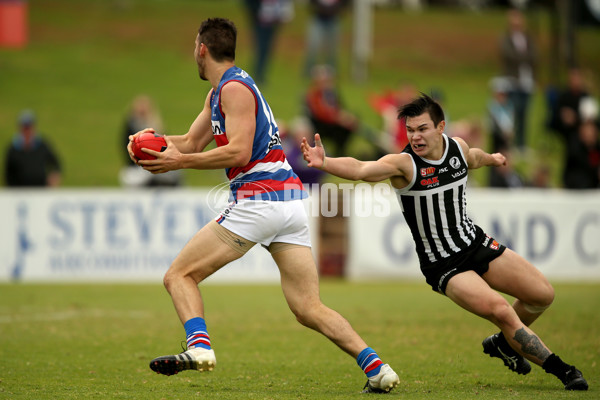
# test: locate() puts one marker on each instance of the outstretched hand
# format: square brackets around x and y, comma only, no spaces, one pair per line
[499,159]
[315,155]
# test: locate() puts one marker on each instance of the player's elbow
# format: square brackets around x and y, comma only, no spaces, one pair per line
[371,179]
[240,158]
[355,174]
[368,176]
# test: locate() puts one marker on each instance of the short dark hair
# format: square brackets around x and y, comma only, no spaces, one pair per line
[219,35]
[421,105]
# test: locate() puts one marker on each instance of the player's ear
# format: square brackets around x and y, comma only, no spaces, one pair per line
[441,126]
[203,49]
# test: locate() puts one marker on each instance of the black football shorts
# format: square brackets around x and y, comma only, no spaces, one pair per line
[476,257]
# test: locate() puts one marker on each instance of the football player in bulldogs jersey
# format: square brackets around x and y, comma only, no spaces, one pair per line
[266,209]
[456,257]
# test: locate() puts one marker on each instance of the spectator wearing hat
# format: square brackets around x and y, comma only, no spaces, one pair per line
[30,160]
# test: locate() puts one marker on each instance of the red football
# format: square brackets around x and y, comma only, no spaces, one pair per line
[148,140]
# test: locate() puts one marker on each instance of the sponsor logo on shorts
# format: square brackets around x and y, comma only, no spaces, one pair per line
[491,243]
[227,212]
[486,241]
[443,278]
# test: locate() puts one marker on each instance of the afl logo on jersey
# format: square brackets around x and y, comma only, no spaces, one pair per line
[455,162]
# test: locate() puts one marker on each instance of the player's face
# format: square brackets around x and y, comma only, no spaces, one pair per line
[199,59]
[424,137]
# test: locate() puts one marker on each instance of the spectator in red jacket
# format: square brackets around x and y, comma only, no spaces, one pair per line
[325,110]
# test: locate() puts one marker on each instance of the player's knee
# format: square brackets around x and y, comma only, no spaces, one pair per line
[502,313]
[303,319]
[168,280]
[542,299]
[548,295]
[541,302]
[305,315]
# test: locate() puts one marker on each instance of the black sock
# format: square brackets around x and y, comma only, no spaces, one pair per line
[555,366]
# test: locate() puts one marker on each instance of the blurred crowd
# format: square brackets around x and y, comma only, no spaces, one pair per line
[572,111]
[572,116]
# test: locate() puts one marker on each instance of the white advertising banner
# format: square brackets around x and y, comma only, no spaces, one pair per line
[558,231]
[89,235]
[111,235]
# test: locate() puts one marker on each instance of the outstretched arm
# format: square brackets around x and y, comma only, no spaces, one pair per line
[350,168]
[477,158]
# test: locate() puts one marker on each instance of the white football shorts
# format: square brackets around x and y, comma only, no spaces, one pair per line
[267,222]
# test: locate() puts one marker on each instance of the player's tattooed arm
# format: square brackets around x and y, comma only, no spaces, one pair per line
[531,344]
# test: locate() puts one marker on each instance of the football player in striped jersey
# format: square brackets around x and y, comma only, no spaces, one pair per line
[457,258]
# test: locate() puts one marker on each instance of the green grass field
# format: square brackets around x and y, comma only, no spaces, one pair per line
[87,60]
[95,342]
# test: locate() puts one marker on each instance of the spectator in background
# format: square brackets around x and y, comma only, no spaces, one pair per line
[387,105]
[143,114]
[501,115]
[322,33]
[567,118]
[582,166]
[292,139]
[505,176]
[468,129]
[325,111]
[519,58]
[576,120]
[266,16]
[30,160]
[541,177]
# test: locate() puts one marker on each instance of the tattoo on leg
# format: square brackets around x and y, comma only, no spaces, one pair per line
[531,344]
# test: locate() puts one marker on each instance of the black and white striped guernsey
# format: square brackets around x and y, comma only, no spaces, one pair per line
[434,204]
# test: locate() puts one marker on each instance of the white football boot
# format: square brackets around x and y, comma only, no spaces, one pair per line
[195,358]
[383,382]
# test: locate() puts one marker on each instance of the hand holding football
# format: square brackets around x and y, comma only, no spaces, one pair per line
[148,140]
